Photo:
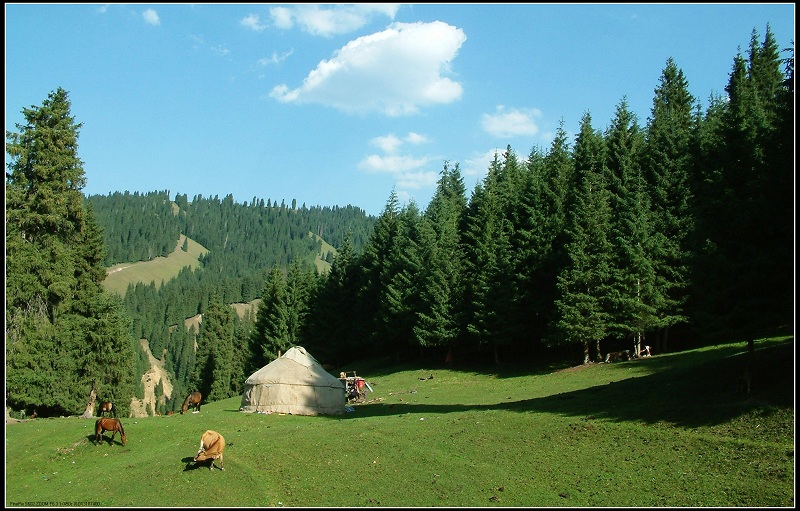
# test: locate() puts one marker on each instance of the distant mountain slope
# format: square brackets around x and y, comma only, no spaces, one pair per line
[158,270]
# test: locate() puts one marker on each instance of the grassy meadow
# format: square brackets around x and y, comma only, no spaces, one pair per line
[670,430]
[159,269]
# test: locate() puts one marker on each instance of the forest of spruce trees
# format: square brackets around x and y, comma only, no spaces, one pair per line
[673,232]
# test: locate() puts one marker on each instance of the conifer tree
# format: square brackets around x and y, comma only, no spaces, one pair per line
[491,304]
[442,259]
[62,331]
[667,164]
[548,197]
[584,283]
[271,333]
[336,299]
[631,230]
[402,296]
[214,365]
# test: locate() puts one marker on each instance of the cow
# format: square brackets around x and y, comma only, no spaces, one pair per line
[212,444]
[618,356]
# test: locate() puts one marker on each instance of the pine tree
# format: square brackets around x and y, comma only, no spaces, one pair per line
[215,354]
[63,332]
[667,163]
[632,267]
[547,232]
[271,334]
[442,259]
[491,306]
[584,290]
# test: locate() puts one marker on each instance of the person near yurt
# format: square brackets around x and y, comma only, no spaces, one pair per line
[294,383]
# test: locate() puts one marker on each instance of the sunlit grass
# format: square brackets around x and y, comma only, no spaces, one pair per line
[665,431]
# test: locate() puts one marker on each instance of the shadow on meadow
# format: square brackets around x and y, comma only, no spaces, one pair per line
[691,389]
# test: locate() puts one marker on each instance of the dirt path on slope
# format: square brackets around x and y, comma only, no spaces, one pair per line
[150,379]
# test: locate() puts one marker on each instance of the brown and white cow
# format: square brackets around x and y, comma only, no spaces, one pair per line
[212,444]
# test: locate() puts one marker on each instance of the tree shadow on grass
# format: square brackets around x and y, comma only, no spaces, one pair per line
[691,389]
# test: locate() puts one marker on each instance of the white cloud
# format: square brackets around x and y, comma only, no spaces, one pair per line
[393,164]
[275,58]
[416,138]
[391,143]
[508,123]
[388,143]
[220,50]
[150,16]
[478,165]
[417,180]
[395,72]
[253,22]
[338,19]
[281,17]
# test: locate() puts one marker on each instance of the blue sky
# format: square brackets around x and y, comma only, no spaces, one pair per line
[336,105]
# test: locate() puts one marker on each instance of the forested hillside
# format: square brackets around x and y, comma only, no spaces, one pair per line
[243,242]
[673,232]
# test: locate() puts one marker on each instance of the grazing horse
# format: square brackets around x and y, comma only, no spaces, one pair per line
[107,407]
[104,424]
[211,446]
[192,400]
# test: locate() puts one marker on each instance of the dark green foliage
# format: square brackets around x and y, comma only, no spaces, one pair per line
[272,330]
[215,354]
[744,263]
[65,336]
[138,227]
[491,308]
[667,166]
[441,260]
[633,278]
[584,283]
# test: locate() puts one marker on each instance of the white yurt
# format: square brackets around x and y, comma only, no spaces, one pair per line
[294,383]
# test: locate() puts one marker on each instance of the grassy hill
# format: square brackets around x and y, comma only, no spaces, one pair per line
[158,270]
[162,269]
[665,431]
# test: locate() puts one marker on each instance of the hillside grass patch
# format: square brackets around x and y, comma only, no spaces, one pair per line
[158,270]
[665,431]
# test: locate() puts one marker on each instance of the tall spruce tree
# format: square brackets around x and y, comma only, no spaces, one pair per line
[667,164]
[491,306]
[402,296]
[442,258]
[271,334]
[754,244]
[583,302]
[66,342]
[548,236]
[377,269]
[631,231]
[215,354]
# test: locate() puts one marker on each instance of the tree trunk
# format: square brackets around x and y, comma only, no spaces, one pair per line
[89,413]
[586,352]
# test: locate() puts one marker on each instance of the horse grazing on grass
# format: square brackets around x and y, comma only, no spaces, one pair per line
[192,400]
[107,407]
[104,424]
[211,446]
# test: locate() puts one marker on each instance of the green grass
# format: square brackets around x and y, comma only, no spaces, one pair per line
[161,269]
[664,431]
[158,270]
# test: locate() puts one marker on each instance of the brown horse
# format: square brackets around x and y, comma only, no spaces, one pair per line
[107,407]
[192,400]
[103,424]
